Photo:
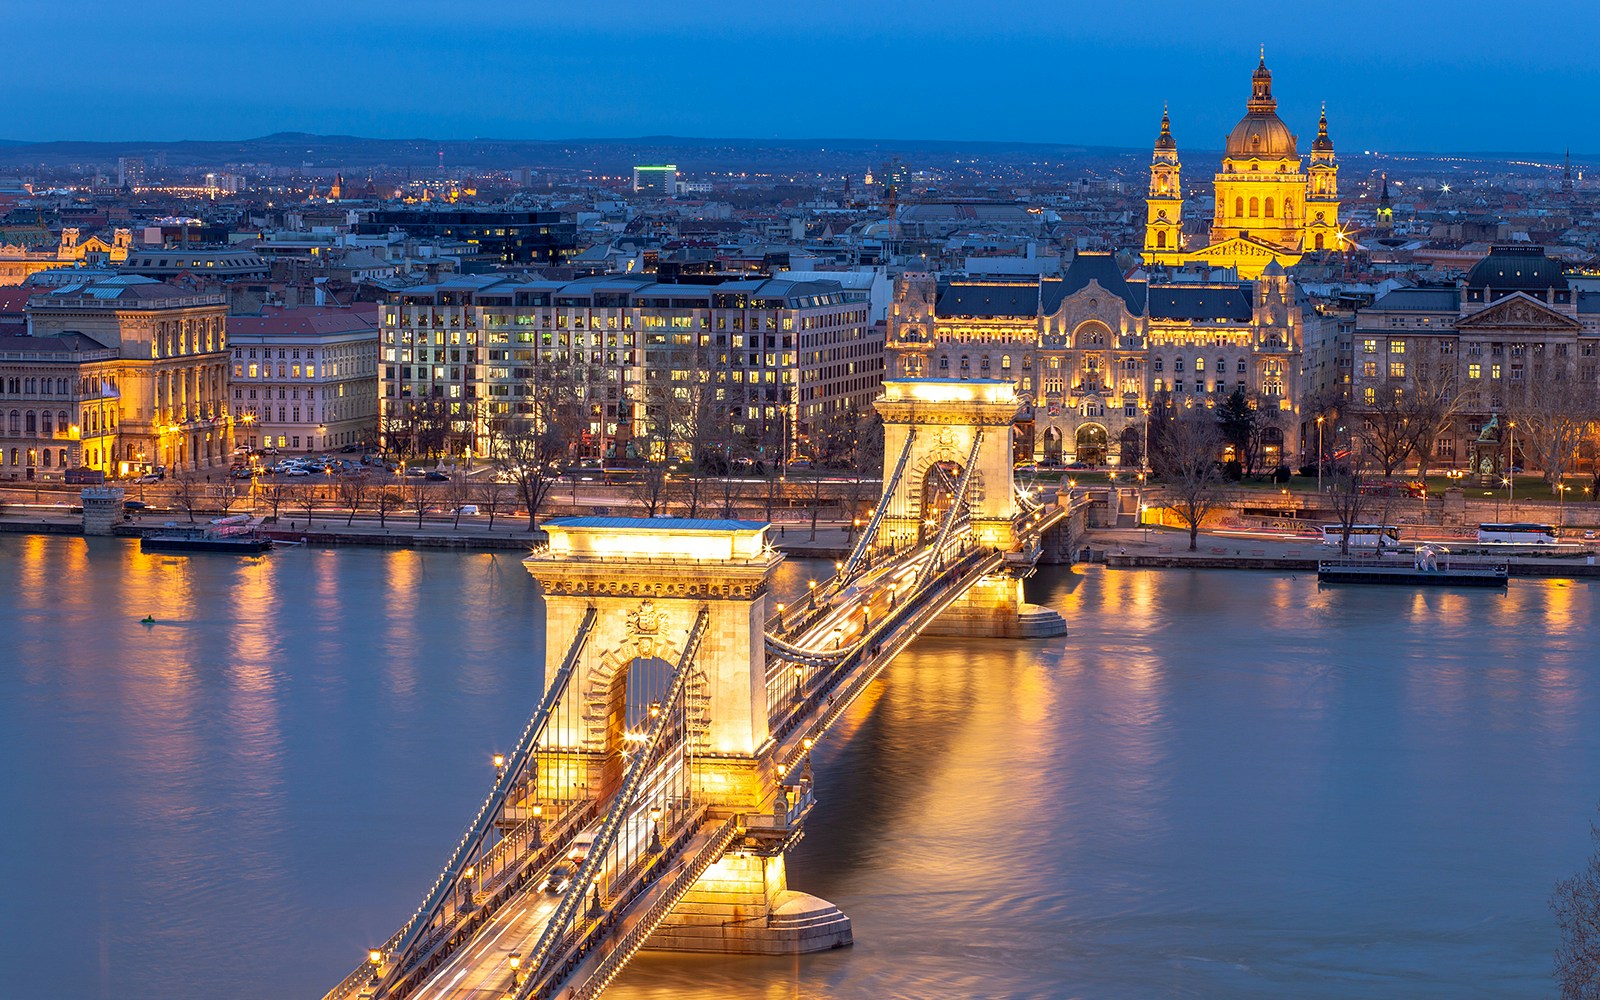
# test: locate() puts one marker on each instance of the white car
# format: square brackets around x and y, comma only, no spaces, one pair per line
[297,470]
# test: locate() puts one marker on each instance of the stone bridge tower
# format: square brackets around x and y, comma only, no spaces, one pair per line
[942,419]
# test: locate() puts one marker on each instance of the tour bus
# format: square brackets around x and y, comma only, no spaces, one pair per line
[1517,533]
[1362,536]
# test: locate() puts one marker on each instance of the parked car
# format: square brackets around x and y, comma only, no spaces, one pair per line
[438,477]
[297,470]
[415,473]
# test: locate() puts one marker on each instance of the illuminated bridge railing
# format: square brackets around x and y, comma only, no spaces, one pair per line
[400,950]
[647,923]
[835,683]
[548,949]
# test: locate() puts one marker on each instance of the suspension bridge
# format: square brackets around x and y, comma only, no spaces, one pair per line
[653,794]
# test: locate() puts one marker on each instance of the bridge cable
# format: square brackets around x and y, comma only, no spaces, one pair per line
[871,531]
[406,938]
[956,502]
[542,959]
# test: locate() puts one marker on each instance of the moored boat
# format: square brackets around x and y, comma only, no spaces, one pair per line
[237,535]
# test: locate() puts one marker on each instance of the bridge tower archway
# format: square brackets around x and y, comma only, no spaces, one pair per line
[944,425]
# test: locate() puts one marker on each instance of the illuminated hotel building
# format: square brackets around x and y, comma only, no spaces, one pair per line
[775,353]
[1089,350]
[1270,204]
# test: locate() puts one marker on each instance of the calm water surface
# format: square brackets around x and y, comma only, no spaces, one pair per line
[1221,785]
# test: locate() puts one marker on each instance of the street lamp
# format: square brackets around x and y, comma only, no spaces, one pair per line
[1511,464]
[1319,456]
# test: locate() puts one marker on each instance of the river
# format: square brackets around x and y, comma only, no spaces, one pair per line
[1219,785]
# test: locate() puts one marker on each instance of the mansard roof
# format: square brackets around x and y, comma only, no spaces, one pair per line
[1225,303]
[992,298]
[1102,268]
[1428,298]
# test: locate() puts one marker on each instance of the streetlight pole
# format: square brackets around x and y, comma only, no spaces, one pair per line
[1319,458]
[1511,464]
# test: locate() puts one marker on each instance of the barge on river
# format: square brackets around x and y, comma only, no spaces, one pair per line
[237,535]
[1428,567]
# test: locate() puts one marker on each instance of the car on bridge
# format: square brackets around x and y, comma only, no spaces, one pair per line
[559,878]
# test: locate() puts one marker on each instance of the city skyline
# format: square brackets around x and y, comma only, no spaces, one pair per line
[862,73]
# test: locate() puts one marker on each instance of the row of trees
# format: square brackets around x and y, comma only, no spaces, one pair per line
[1550,415]
[685,438]
[1187,459]
[349,495]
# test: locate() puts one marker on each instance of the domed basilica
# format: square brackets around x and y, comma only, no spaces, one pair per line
[1268,207]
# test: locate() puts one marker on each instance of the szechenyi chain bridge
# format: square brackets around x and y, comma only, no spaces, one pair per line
[656,788]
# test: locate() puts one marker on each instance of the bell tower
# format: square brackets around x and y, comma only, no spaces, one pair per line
[1322,193]
[1163,230]
[1385,210]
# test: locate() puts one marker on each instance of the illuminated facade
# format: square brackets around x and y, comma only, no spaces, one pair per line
[777,354]
[58,405]
[17,263]
[305,379]
[1271,205]
[1088,351]
[170,380]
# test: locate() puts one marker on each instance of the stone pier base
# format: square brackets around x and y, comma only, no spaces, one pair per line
[743,906]
[994,608]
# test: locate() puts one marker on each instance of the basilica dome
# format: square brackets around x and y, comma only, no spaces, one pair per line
[1261,133]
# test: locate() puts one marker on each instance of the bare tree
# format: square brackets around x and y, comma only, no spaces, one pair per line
[492,497]
[353,490]
[187,492]
[387,499]
[528,448]
[1348,479]
[275,493]
[1388,435]
[418,498]
[1187,467]
[305,498]
[459,492]
[1576,903]
[1434,404]
[225,494]
[1553,414]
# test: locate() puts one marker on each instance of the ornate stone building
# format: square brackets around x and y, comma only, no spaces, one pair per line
[1513,322]
[170,377]
[17,263]
[1088,351]
[1270,204]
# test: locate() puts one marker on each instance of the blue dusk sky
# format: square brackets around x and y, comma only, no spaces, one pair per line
[1468,75]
